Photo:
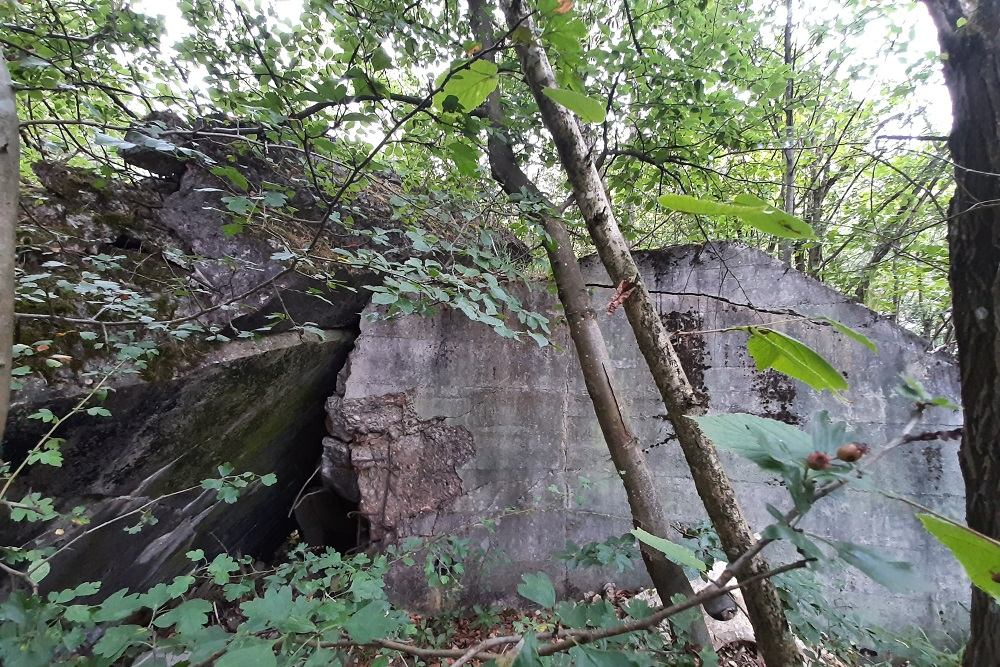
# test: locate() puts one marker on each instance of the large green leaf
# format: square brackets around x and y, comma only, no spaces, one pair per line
[689,204]
[978,554]
[771,444]
[895,575]
[748,208]
[117,606]
[538,588]
[258,655]
[772,220]
[465,157]
[269,610]
[188,616]
[372,621]
[470,86]
[118,638]
[675,553]
[773,349]
[587,108]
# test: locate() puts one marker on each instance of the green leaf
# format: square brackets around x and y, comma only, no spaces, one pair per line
[381,59]
[117,639]
[45,415]
[275,200]
[233,175]
[978,554]
[782,531]
[84,589]
[102,139]
[750,209]
[853,334]
[528,655]
[117,606]
[638,609]
[188,616]
[588,656]
[78,613]
[239,205]
[767,442]
[321,657]
[205,643]
[538,588]
[33,507]
[465,157]
[827,435]
[180,585]
[384,298]
[38,572]
[48,457]
[280,610]
[221,567]
[773,349]
[259,655]
[470,86]
[895,575]
[371,622]
[693,205]
[675,553]
[772,220]
[587,108]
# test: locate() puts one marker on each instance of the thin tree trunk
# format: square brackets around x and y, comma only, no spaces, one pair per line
[763,604]
[595,364]
[9,184]
[788,175]
[972,73]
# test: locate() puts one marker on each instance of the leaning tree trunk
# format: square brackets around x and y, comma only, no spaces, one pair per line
[9,182]
[763,604]
[591,350]
[972,73]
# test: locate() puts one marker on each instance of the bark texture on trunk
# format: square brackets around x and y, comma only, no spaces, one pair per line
[763,604]
[595,363]
[9,186]
[972,72]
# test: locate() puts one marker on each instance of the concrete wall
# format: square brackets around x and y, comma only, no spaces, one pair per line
[534,429]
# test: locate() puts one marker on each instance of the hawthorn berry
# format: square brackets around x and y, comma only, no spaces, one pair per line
[852,451]
[818,460]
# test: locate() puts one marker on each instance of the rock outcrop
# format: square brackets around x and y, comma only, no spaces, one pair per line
[153,251]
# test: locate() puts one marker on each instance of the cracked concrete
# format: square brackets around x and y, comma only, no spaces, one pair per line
[405,468]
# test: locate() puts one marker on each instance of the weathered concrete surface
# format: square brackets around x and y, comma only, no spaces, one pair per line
[258,406]
[538,448]
[413,463]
